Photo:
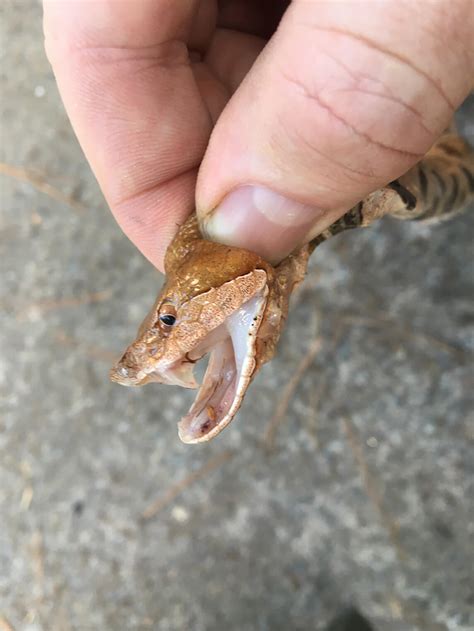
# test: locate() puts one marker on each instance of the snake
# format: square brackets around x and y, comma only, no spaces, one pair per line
[231,304]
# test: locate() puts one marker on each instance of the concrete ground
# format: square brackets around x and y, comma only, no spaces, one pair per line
[365,499]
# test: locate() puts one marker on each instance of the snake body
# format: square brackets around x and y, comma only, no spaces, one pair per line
[438,187]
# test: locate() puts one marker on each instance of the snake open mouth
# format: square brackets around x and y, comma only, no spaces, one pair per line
[231,332]
[232,348]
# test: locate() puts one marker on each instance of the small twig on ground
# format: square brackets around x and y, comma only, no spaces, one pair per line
[314,400]
[176,489]
[371,489]
[60,616]
[384,321]
[37,559]
[24,175]
[26,497]
[288,392]
[27,494]
[317,393]
[93,352]
[412,615]
[43,306]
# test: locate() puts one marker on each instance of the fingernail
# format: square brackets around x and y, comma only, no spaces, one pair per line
[261,220]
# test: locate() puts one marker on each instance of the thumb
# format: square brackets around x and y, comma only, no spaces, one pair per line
[342,100]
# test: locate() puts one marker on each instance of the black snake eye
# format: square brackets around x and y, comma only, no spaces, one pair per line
[167,319]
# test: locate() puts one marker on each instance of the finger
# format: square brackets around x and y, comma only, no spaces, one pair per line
[345,98]
[126,81]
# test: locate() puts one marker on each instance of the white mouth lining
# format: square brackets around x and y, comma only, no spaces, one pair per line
[230,370]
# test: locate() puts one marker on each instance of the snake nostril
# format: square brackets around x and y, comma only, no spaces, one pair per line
[123,371]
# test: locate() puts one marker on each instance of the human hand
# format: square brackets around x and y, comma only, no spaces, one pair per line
[344,98]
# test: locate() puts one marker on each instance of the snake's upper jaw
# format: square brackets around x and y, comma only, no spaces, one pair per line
[231,367]
[129,372]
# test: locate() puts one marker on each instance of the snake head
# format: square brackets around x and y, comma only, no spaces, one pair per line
[215,305]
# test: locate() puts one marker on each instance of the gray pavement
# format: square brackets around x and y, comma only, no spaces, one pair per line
[365,499]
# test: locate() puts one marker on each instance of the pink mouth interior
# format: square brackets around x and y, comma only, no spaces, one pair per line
[215,395]
[231,366]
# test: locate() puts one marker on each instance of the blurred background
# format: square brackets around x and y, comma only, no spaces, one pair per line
[345,483]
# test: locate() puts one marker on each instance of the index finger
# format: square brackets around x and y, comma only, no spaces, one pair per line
[124,75]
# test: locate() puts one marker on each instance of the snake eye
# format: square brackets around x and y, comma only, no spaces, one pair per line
[168,319]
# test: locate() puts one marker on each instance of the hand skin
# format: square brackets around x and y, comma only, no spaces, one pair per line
[272,133]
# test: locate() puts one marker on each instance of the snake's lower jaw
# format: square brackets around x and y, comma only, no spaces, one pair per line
[230,370]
